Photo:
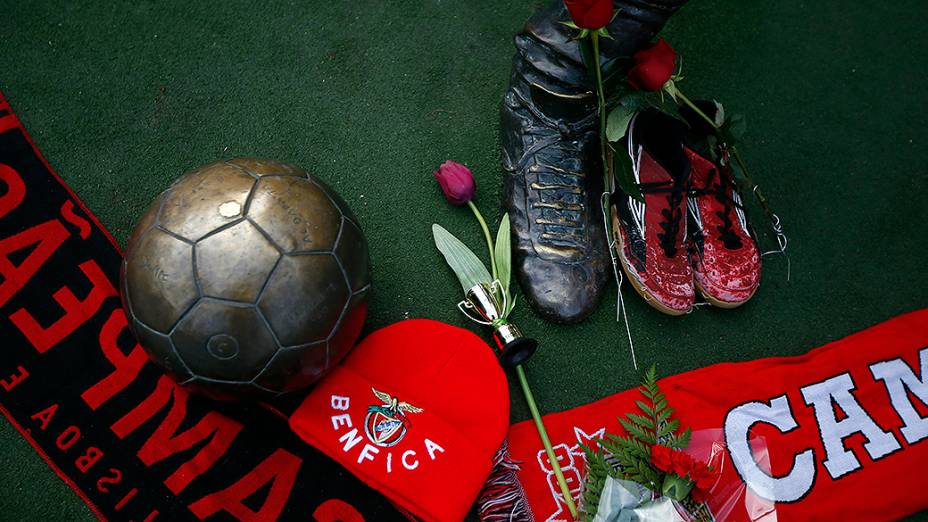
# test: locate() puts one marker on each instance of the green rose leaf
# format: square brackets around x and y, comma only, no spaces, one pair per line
[624,175]
[742,182]
[711,145]
[617,121]
[626,106]
[462,260]
[719,113]
[733,129]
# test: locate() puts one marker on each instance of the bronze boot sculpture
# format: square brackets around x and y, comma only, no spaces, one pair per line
[553,178]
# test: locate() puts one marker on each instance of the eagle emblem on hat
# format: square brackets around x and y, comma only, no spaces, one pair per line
[386,424]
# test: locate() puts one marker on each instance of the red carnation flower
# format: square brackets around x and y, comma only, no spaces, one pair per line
[703,476]
[704,479]
[653,67]
[660,457]
[590,14]
[681,463]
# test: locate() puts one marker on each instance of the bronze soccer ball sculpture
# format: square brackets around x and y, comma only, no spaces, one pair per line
[246,277]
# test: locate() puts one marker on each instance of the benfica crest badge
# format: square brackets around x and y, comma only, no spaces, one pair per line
[386,424]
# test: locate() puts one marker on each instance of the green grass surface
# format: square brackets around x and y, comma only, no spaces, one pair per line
[371,96]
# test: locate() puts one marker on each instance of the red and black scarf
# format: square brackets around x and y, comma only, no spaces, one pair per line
[76,385]
[845,426]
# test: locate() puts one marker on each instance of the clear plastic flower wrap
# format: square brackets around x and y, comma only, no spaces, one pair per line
[629,501]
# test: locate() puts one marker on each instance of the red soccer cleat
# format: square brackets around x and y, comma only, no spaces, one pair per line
[652,235]
[726,260]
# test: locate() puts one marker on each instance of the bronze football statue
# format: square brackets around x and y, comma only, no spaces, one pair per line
[247,277]
[550,141]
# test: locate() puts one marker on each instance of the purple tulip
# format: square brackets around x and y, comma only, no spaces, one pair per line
[457,182]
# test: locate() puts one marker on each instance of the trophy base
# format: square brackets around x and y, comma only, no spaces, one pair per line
[517,351]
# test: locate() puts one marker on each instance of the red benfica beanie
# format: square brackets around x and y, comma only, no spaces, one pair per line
[417,411]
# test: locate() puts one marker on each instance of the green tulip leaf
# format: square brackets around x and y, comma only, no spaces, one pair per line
[503,253]
[462,260]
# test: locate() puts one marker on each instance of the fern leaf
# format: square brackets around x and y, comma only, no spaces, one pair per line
[660,404]
[629,447]
[680,441]
[641,420]
[650,376]
[638,432]
[662,416]
[668,428]
[685,438]
[597,470]
[610,437]
[645,408]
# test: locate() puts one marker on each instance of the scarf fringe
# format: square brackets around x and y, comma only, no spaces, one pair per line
[502,497]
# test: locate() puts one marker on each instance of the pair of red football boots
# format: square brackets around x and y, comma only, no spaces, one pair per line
[690,233]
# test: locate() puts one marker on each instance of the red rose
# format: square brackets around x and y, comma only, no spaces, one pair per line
[653,67]
[457,182]
[660,457]
[590,14]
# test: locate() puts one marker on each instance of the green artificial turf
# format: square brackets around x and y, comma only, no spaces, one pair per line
[372,96]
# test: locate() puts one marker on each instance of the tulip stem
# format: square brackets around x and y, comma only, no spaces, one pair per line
[549,450]
[486,234]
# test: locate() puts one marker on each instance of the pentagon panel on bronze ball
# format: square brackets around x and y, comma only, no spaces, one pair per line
[160,270]
[161,351]
[304,298]
[227,271]
[224,341]
[296,213]
[205,199]
[351,251]
[267,167]
[295,368]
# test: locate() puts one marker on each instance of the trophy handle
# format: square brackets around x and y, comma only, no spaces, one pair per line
[465,307]
[496,286]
